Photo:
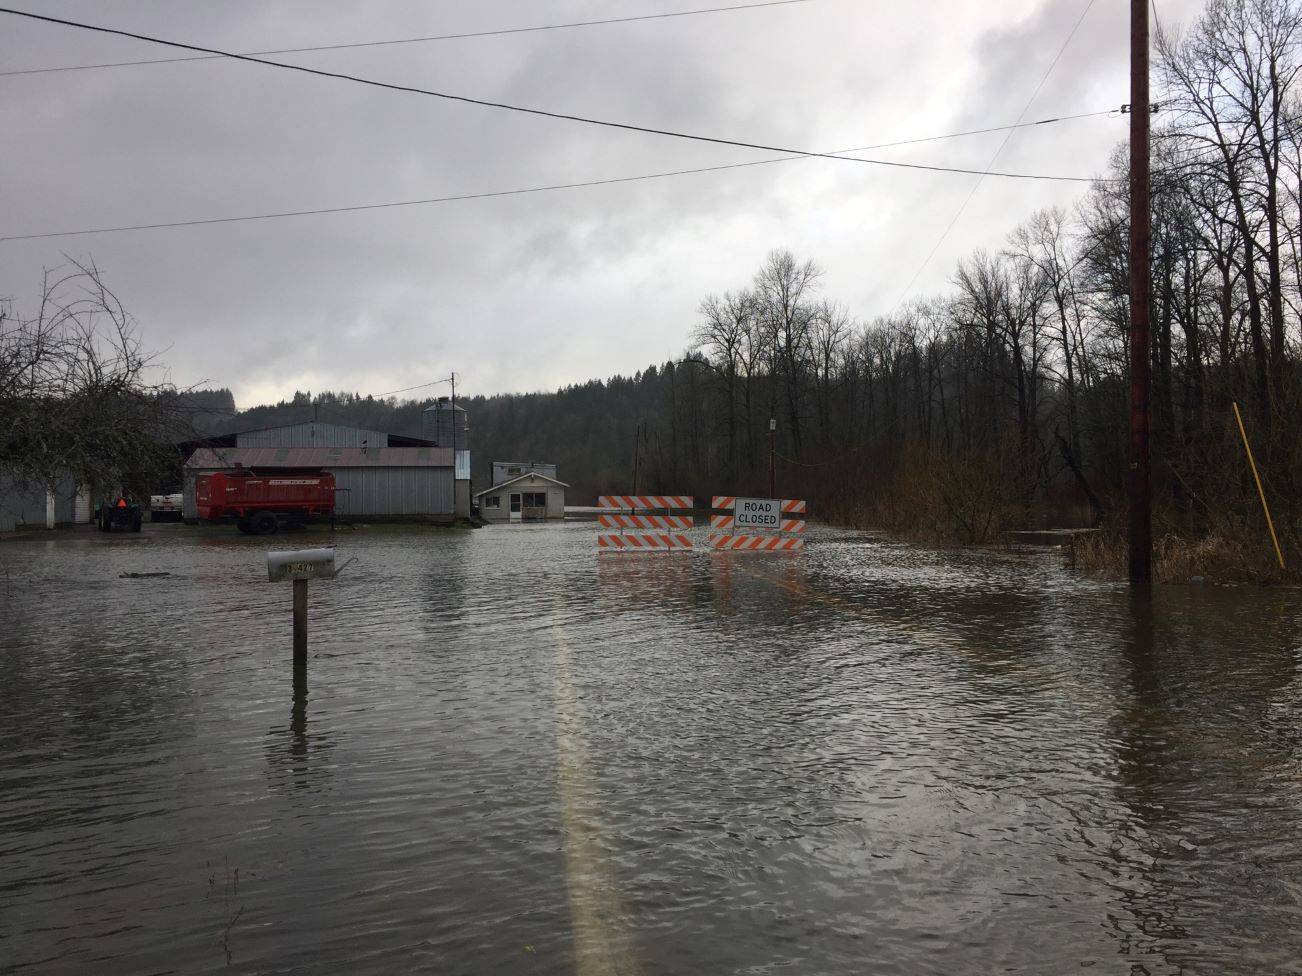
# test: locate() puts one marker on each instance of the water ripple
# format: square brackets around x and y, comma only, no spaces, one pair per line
[511,755]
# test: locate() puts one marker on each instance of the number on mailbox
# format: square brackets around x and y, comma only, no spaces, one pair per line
[302,564]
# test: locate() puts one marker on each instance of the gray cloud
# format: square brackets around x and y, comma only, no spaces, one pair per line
[525,292]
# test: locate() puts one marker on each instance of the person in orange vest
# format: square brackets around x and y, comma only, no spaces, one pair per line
[122,502]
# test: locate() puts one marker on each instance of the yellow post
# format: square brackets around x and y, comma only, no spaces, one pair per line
[1260,491]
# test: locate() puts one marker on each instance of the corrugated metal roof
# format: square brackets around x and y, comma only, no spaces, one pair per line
[321,457]
[313,434]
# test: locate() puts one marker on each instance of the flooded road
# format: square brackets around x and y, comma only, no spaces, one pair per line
[511,755]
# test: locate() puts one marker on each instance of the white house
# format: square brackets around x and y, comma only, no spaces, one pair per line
[524,497]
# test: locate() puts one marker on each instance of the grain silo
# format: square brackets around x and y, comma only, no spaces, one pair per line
[447,425]
[438,424]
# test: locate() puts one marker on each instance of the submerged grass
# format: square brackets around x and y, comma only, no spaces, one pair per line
[1215,557]
[941,506]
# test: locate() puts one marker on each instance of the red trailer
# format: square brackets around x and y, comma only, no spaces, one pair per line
[259,501]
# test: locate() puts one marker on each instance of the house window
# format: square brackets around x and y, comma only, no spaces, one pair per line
[535,499]
[493,501]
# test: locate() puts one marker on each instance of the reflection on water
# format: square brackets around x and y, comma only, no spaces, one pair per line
[510,754]
[298,758]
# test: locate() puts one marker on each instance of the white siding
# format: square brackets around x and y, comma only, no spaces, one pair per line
[83,507]
[502,513]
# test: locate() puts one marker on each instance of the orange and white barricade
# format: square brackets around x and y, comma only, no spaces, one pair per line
[757,524]
[645,523]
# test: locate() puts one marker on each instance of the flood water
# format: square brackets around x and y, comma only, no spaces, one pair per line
[512,755]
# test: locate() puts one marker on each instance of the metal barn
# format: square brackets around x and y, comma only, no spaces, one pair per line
[396,483]
[379,475]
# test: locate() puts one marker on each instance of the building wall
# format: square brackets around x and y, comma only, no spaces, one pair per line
[312,434]
[556,503]
[394,491]
[506,470]
[22,506]
[372,491]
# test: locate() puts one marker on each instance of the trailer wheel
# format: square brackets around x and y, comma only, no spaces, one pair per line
[264,523]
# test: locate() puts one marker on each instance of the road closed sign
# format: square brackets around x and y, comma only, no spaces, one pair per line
[757,513]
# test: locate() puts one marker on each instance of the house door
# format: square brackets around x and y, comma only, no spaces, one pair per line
[516,514]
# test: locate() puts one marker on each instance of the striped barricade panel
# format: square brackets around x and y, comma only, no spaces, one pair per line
[722,522]
[643,542]
[723,501]
[646,521]
[756,543]
[633,503]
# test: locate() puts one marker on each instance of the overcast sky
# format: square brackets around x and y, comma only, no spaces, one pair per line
[527,292]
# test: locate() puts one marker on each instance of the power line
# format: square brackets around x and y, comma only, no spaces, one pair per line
[542,113]
[998,152]
[1019,124]
[421,386]
[527,190]
[413,40]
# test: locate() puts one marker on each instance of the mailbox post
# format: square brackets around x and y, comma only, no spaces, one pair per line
[300,566]
[300,623]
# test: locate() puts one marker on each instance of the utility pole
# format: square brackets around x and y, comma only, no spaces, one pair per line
[454,425]
[773,434]
[454,445]
[1141,489]
[637,453]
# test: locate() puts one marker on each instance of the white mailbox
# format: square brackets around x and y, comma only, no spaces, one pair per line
[301,564]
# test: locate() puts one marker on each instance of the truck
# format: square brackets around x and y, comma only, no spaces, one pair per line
[260,502]
[165,508]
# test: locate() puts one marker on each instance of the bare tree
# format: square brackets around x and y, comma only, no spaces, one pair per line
[79,397]
[726,326]
[784,289]
[830,329]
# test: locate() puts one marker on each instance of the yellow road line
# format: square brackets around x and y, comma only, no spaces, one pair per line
[602,942]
